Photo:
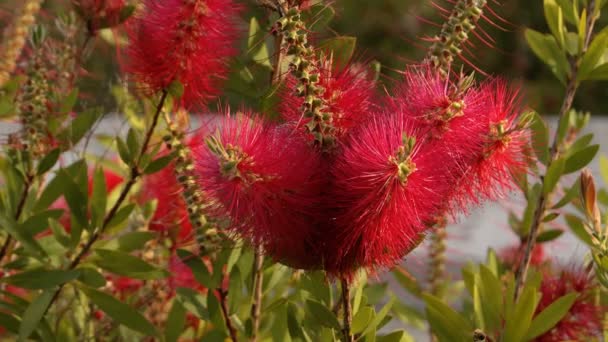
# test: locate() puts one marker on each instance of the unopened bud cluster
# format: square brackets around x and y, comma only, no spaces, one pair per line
[15,37]
[454,32]
[305,69]
[33,106]
[192,194]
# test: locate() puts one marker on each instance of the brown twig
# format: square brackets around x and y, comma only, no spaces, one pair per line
[544,199]
[258,280]
[348,316]
[135,173]
[223,294]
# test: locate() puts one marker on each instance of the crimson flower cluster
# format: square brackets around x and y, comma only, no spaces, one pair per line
[396,166]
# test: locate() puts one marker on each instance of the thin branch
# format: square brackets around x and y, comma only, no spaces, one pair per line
[543,200]
[348,316]
[224,305]
[258,280]
[135,174]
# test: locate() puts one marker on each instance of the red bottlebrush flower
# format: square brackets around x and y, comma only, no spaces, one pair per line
[124,286]
[388,186]
[511,256]
[263,179]
[171,215]
[502,153]
[349,94]
[100,14]
[583,322]
[186,41]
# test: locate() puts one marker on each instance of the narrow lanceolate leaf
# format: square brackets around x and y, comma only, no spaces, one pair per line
[546,48]
[175,322]
[48,161]
[580,159]
[518,320]
[98,197]
[540,139]
[125,264]
[592,56]
[549,235]
[41,278]
[553,175]
[120,312]
[446,323]
[551,315]
[322,315]
[34,314]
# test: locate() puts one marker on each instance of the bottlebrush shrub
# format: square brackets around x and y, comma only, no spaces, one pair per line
[189,42]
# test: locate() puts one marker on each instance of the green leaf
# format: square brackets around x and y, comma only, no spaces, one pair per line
[27,240]
[568,8]
[592,56]
[34,314]
[396,336]
[322,315]
[123,151]
[571,194]
[130,241]
[40,278]
[175,322]
[256,44]
[98,197]
[200,271]
[604,168]
[580,144]
[407,281]
[519,319]
[600,73]
[193,301]
[553,175]
[362,319]
[127,265]
[120,312]
[39,222]
[89,276]
[577,227]
[48,161]
[320,16]
[121,215]
[545,47]
[549,235]
[80,126]
[550,217]
[551,315]
[540,138]
[341,48]
[580,159]
[214,310]
[133,143]
[446,323]
[379,318]
[555,20]
[564,124]
[158,164]
[235,291]
[492,304]
[69,101]
[75,196]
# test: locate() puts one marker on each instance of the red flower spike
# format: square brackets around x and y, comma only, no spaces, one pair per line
[349,94]
[388,186]
[263,178]
[189,41]
[181,275]
[502,153]
[583,322]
